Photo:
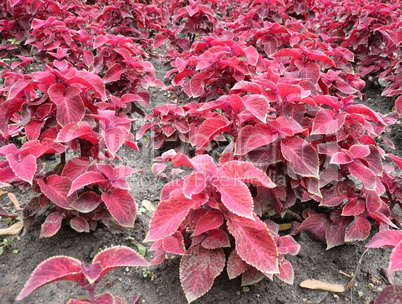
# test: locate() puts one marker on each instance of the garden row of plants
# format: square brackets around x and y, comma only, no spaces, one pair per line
[277,85]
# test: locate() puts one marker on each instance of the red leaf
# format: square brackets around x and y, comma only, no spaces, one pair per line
[251,54]
[302,155]
[75,167]
[258,105]
[25,169]
[294,53]
[325,122]
[210,220]
[115,138]
[252,137]
[337,194]
[51,225]
[174,244]
[287,245]
[359,151]
[208,129]
[252,276]
[396,258]
[254,244]
[169,214]
[389,295]
[315,226]
[235,196]
[354,207]
[335,233]
[198,269]
[385,238]
[364,174]
[358,230]
[121,206]
[235,265]
[246,173]
[33,129]
[341,158]
[215,238]
[56,189]
[286,273]
[118,256]
[398,104]
[86,202]
[86,179]
[70,108]
[396,159]
[114,73]
[194,184]
[58,268]
[198,82]
[79,224]
[92,81]
[77,130]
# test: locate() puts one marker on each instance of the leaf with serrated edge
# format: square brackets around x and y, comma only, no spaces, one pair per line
[198,269]
[79,224]
[302,155]
[358,230]
[246,173]
[235,196]
[118,256]
[25,169]
[385,238]
[57,268]
[51,225]
[174,243]
[254,244]
[235,265]
[215,238]
[121,206]
[252,137]
[56,189]
[212,219]
[286,273]
[396,258]
[169,214]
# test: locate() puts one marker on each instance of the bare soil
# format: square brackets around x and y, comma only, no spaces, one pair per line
[160,284]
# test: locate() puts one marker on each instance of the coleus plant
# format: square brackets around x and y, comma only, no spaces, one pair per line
[62,268]
[212,209]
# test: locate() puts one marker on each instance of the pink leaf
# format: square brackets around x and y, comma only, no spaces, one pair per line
[212,219]
[359,151]
[86,202]
[198,82]
[215,238]
[286,273]
[25,169]
[58,268]
[77,130]
[251,54]
[302,155]
[252,276]
[235,265]
[208,129]
[56,189]
[385,238]
[235,196]
[315,226]
[246,173]
[252,137]
[121,206]
[389,295]
[335,233]
[341,158]
[79,224]
[396,258]
[70,108]
[51,225]
[337,194]
[254,244]
[258,105]
[114,73]
[198,269]
[114,138]
[174,244]
[354,207]
[169,214]
[86,179]
[92,81]
[325,122]
[75,167]
[118,256]
[398,104]
[364,174]
[358,230]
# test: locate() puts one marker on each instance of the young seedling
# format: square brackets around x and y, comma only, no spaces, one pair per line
[61,268]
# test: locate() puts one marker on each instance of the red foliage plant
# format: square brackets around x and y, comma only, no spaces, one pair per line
[62,268]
